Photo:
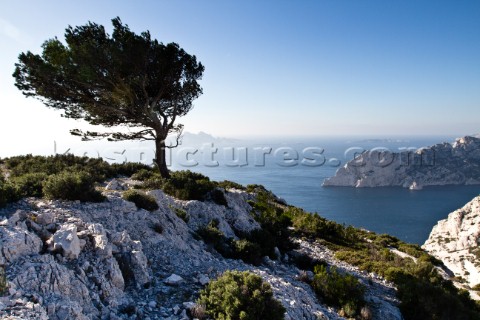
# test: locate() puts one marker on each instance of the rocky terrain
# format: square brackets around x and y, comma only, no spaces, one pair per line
[110,260]
[455,163]
[455,241]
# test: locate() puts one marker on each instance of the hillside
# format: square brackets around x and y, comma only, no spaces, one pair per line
[109,258]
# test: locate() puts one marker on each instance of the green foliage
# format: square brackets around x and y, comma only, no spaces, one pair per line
[143,174]
[8,193]
[226,184]
[117,79]
[214,237]
[240,295]
[141,200]
[182,214]
[188,185]
[3,281]
[275,223]
[248,251]
[422,291]
[30,184]
[217,196]
[72,186]
[98,169]
[340,290]
[127,169]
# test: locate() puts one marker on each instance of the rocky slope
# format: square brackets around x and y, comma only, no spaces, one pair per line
[455,241]
[455,163]
[110,260]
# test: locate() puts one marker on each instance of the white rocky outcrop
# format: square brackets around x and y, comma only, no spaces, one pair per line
[66,241]
[110,260]
[442,164]
[456,240]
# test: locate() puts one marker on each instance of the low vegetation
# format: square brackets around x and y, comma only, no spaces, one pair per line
[65,177]
[240,295]
[424,294]
[340,290]
[3,282]
[71,186]
[141,199]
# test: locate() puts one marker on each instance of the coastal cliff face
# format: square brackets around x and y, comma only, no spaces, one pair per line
[111,260]
[455,163]
[455,241]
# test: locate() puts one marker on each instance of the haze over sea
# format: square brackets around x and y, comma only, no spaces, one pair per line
[409,215]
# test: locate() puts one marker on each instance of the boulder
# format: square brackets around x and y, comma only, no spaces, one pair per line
[66,241]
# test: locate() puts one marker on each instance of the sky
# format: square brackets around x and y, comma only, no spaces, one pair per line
[278,68]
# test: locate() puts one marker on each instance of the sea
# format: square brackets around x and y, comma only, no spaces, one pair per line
[294,169]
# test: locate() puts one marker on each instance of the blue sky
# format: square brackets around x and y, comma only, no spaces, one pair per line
[297,68]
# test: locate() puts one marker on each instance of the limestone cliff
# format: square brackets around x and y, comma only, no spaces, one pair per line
[456,240]
[455,163]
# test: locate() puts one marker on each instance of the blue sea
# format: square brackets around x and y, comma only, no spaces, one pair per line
[409,215]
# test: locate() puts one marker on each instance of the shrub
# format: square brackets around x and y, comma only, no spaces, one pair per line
[339,290]
[3,281]
[127,168]
[30,184]
[182,214]
[187,185]
[248,251]
[226,184]
[214,237]
[240,295]
[143,174]
[155,182]
[71,186]
[218,197]
[8,193]
[96,167]
[141,200]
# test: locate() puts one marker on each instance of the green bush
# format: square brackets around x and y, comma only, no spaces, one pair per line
[126,169]
[226,184]
[248,251]
[71,186]
[8,193]
[143,174]
[98,169]
[340,290]
[141,200]
[240,295]
[30,184]
[3,282]
[153,183]
[218,197]
[187,185]
[182,214]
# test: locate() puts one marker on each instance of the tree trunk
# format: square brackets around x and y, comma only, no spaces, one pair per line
[160,160]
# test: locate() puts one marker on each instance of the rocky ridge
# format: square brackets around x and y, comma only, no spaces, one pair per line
[455,241]
[455,163]
[110,260]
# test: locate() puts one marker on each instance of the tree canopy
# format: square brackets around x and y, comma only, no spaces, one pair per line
[122,79]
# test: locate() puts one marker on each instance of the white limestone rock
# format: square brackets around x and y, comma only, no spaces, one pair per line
[17,242]
[456,240]
[442,164]
[66,241]
[173,280]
